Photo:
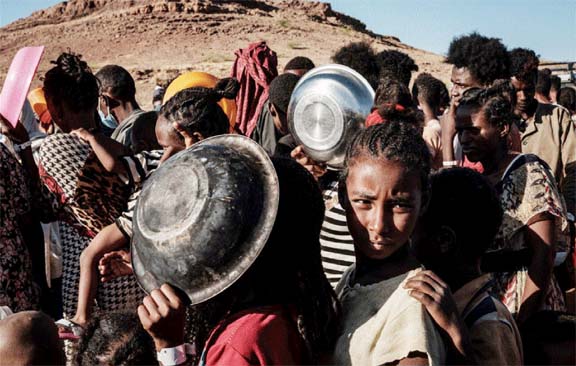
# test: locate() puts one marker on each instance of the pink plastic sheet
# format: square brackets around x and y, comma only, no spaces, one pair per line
[18,80]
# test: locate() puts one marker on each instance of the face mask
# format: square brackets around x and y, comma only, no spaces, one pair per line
[109,120]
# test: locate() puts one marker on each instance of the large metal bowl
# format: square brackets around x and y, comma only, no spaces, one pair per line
[328,105]
[203,217]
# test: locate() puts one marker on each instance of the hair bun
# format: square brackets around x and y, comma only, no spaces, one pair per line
[227,88]
[72,64]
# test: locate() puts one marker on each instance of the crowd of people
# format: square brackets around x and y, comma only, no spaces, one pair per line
[447,237]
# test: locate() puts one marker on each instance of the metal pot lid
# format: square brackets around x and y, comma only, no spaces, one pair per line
[328,105]
[204,216]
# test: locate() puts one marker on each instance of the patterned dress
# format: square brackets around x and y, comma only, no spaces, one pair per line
[527,189]
[17,289]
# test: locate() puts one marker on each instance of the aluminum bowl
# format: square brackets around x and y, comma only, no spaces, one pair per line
[328,105]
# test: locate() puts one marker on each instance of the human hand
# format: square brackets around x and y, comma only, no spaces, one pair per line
[115,264]
[17,134]
[162,315]
[435,295]
[83,134]
[313,167]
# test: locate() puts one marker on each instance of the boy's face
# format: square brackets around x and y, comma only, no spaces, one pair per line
[382,206]
[525,91]
[280,119]
[461,80]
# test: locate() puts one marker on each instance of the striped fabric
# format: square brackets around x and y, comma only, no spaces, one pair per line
[139,167]
[337,246]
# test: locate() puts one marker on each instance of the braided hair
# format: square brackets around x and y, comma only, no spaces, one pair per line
[496,102]
[116,338]
[396,141]
[72,83]
[197,110]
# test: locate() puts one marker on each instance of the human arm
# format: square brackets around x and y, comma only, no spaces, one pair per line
[435,295]
[108,239]
[540,239]
[108,151]
[448,133]
[316,169]
[568,152]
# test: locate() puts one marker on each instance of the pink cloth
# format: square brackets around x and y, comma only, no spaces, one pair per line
[255,68]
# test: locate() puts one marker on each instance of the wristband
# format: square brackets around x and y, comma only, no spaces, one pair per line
[23,146]
[450,163]
[175,355]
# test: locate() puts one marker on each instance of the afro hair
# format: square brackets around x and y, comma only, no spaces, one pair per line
[392,91]
[486,58]
[360,57]
[524,64]
[396,64]
[281,89]
[299,63]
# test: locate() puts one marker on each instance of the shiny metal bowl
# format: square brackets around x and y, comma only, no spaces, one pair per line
[328,105]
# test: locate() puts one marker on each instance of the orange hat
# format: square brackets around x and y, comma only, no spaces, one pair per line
[38,102]
[193,79]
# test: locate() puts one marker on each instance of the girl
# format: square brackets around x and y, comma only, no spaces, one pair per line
[383,189]
[534,225]
[282,311]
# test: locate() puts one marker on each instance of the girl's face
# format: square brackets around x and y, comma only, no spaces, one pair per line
[167,139]
[478,137]
[383,204]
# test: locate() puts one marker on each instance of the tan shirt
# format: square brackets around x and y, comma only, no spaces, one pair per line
[551,135]
[493,332]
[383,324]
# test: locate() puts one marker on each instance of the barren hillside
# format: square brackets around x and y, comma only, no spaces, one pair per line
[160,38]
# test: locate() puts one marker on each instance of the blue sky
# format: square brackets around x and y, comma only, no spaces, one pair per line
[546,26]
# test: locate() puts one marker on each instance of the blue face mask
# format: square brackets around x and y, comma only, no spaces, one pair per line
[109,120]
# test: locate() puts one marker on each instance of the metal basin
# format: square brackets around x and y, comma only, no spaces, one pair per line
[204,216]
[328,105]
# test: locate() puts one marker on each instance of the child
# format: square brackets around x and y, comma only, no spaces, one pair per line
[282,311]
[431,96]
[460,223]
[188,117]
[383,190]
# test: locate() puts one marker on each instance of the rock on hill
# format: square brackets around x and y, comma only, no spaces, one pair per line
[158,39]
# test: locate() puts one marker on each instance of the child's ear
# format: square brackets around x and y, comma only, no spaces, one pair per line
[272,109]
[504,130]
[445,239]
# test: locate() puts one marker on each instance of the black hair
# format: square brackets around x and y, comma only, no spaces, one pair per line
[197,110]
[460,199]
[299,63]
[116,338]
[544,83]
[567,98]
[433,91]
[524,64]
[117,81]
[281,89]
[394,140]
[409,116]
[71,82]
[486,58]
[144,133]
[360,57]
[546,328]
[391,91]
[555,82]
[396,64]
[496,102]
[291,258]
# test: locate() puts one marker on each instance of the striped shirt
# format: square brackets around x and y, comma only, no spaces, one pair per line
[337,246]
[138,168]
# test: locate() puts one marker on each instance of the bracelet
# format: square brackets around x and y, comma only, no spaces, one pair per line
[23,146]
[449,164]
[175,355]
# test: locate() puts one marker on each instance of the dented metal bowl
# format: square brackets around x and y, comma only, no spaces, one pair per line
[204,216]
[328,105]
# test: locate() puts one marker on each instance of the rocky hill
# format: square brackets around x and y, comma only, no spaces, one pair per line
[158,39]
